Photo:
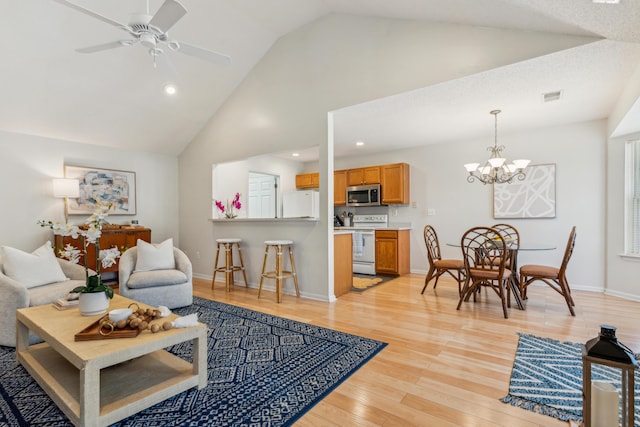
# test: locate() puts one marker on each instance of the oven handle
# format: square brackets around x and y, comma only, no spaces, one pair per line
[365,233]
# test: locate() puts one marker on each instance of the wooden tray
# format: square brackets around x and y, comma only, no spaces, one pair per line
[91,332]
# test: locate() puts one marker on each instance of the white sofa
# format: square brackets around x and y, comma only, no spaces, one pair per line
[14,295]
[171,288]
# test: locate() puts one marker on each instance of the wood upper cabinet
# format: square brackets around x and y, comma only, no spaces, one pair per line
[340,188]
[395,184]
[308,180]
[393,251]
[363,176]
[123,238]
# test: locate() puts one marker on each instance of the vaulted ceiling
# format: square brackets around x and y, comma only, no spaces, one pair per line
[114,97]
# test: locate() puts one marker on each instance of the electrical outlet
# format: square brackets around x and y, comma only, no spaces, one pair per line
[414,204]
[198,254]
[431,212]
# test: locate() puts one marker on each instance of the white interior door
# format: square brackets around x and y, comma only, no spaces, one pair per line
[262,198]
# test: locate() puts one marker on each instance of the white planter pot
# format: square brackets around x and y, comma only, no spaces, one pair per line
[93,303]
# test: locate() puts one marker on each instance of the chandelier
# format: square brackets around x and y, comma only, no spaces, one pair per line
[496,170]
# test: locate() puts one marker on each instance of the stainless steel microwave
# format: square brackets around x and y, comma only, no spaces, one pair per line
[363,195]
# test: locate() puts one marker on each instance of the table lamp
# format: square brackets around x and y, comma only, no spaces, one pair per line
[65,188]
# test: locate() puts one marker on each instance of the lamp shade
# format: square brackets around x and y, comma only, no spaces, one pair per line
[66,187]
[471,167]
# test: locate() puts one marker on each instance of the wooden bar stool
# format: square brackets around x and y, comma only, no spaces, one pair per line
[279,274]
[229,268]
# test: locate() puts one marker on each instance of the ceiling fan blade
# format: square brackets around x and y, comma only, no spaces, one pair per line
[169,13]
[105,46]
[93,14]
[207,55]
[162,64]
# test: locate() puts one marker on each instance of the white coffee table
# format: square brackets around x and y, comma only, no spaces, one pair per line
[96,383]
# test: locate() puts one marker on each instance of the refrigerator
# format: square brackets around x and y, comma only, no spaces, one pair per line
[301,204]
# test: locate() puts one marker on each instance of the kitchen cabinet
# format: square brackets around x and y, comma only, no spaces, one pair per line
[395,184]
[363,176]
[121,237]
[392,252]
[340,188]
[342,264]
[308,180]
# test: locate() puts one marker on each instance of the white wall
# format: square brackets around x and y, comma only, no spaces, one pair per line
[438,181]
[29,163]
[334,62]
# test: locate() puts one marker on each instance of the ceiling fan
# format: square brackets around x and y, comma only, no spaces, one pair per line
[152,32]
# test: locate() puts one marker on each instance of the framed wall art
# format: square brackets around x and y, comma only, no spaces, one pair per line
[533,197]
[104,185]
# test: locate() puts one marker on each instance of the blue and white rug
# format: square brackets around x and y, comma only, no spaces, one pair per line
[263,371]
[547,378]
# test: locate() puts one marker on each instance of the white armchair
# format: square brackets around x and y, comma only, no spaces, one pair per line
[15,295]
[169,287]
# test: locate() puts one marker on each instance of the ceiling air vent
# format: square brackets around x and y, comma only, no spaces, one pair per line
[551,96]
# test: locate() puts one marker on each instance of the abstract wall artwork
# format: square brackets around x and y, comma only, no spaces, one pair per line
[533,197]
[102,185]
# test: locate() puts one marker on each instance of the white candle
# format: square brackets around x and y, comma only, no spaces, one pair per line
[604,404]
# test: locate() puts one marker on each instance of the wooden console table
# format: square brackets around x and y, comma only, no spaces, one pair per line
[123,238]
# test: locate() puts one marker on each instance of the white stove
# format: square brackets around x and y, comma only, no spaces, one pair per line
[364,241]
[371,221]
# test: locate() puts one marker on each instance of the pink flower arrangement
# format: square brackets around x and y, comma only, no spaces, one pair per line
[231,207]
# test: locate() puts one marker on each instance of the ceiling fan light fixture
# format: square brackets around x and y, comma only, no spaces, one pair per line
[148,40]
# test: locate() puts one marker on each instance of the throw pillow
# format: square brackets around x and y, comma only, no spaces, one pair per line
[155,256]
[35,269]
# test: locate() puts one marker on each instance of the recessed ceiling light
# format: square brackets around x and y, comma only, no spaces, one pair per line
[551,96]
[296,154]
[607,1]
[359,143]
[169,89]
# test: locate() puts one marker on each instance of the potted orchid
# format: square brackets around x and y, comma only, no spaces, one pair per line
[94,295]
[230,210]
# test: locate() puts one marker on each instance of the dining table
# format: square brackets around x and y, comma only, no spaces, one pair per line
[514,280]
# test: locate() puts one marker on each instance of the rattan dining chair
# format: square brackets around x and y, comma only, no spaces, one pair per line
[511,236]
[484,255]
[555,277]
[439,266]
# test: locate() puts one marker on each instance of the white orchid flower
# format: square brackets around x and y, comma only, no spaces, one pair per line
[91,234]
[66,230]
[70,253]
[108,256]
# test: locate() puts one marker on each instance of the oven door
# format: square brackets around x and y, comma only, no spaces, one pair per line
[364,252]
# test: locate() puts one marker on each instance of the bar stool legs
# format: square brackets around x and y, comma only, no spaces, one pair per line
[279,274]
[229,268]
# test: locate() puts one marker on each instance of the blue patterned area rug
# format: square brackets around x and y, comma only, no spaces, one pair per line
[547,378]
[263,371]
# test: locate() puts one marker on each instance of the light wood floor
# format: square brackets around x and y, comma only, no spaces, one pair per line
[442,367]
